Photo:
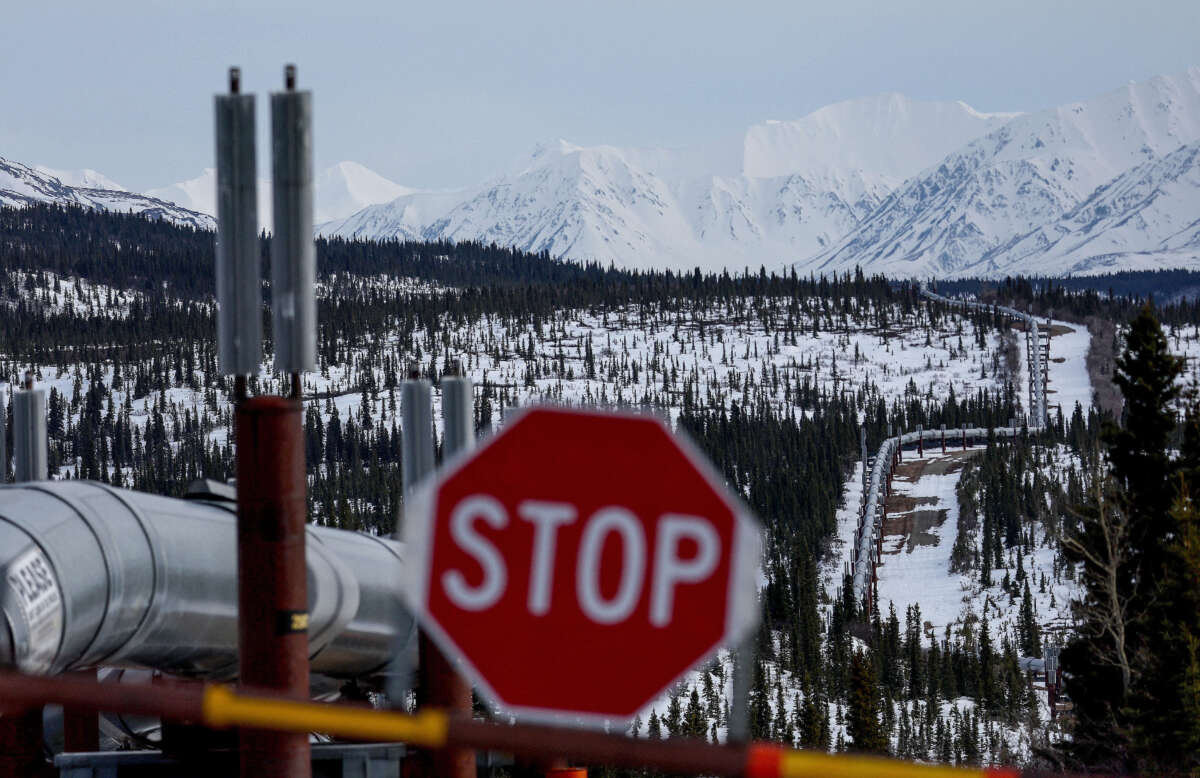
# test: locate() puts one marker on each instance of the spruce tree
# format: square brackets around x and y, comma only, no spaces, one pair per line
[695,724]
[862,715]
[1124,543]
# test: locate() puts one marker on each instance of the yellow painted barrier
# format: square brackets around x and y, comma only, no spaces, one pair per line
[222,707]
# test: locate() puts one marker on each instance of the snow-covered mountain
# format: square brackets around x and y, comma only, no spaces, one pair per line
[85,178]
[961,216]
[339,191]
[22,185]
[864,148]
[894,185]
[803,185]
[200,194]
[348,187]
[605,203]
[1145,219]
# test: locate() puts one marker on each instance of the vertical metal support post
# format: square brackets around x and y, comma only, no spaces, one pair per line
[239,271]
[438,682]
[920,442]
[21,734]
[458,414]
[272,574]
[964,437]
[293,253]
[943,438]
[416,427]
[862,444]
[81,728]
[416,461]
[29,433]
[3,432]
[21,754]
[743,678]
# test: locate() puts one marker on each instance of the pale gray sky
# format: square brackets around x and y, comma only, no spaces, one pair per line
[444,94]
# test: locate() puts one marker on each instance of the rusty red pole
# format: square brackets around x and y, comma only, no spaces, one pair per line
[81,728]
[21,745]
[272,576]
[441,686]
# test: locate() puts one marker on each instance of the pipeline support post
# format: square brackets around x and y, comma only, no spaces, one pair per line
[29,433]
[21,753]
[272,574]
[3,432]
[439,684]
[21,732]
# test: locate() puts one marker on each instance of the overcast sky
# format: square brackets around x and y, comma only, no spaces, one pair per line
[443,94]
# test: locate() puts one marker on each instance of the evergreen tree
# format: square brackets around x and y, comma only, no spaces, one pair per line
[695,724]
[654,727]
[674,717]
[862,715]
[1124,543]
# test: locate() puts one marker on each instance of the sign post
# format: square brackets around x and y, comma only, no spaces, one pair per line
[579,562]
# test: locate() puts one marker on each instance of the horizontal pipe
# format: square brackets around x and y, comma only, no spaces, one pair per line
[91,575]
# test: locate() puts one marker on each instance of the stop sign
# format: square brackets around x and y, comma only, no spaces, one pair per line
[579,562]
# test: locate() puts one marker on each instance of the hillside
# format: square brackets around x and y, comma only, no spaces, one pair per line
[770,375]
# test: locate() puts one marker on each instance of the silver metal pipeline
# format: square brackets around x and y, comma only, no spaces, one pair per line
[94,575]
[870,524]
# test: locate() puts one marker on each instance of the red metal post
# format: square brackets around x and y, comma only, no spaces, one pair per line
[81,728]
[21,745]
[272,576]
[441,686]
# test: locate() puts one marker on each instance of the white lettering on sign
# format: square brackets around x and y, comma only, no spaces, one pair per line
[547,518]
[668,572]
[495,575]
[39,601]
[633,565]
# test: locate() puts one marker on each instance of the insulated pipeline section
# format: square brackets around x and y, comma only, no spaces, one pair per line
[97,575]
[866,538]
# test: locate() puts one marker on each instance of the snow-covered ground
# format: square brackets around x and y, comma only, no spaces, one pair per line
[1069,382]
[726,352]
[919,533]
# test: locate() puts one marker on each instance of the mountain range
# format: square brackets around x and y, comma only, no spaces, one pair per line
[904,187]
[803,185]
[21,185]
[340,190]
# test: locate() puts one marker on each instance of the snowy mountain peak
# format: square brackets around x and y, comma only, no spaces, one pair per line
[340,190]
[23,185]
[348,187]
[886,138]
[84,178]
[1009,188]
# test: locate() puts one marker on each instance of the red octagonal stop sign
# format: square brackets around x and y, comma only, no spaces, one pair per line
[579,562]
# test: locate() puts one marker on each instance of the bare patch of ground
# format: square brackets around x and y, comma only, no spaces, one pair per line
[902,503]
[915,527]
[903,516]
